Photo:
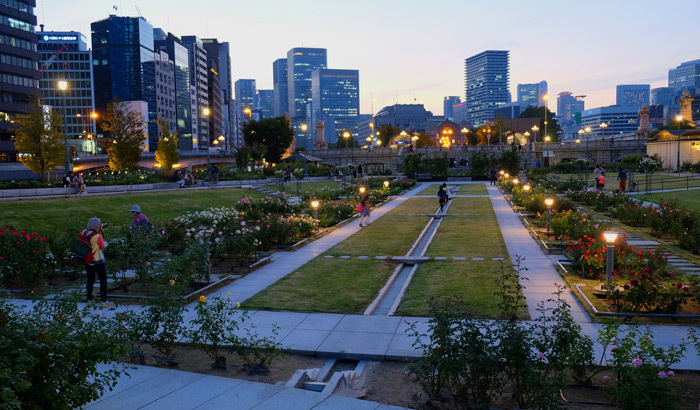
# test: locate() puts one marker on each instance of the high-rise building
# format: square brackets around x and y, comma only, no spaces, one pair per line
[633,95]
[487,82]
[335,97]
[199,90]
[123,65]
[568,105]
[620,121]
[245,94]
[65,56]
[227,95]
[447,106]
[216,105]
[165,90]
[279,81]
[662,96]
[181,65]
[532,94]
[19,77]
[266,103]
[685,77]
[300,63]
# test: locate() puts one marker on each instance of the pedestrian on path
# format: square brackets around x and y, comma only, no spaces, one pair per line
[363,207]
[214,175]
[601,181]
[492,176]
[622,177]
[442,195]
[96,262]
[596,175]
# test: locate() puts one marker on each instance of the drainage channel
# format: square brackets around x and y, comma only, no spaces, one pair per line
[391,294]
[335,374]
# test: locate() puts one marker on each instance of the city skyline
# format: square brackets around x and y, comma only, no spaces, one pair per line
[570,47]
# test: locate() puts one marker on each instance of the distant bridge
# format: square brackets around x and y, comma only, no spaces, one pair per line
[188,159]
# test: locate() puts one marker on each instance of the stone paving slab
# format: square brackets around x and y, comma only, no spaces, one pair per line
[243,396]
[291,399]
[321,321]
[356,345]
[194,394]
[369,324]
[643,243]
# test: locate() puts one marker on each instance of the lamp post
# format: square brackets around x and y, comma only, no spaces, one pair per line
[527,188]
[465,131]
[346,135]
[386,185]
[206,113]
[535,128]
[516,181]
[603,126]
[546,99]
[679,118]
[249,112]
[94,116]
[305,127]
[314,205]
[610,238]
[549,202]
[527,135]
[63,86]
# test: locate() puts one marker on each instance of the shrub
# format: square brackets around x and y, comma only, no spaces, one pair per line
[215,326]
[24,256]
[479,164]
[53,348]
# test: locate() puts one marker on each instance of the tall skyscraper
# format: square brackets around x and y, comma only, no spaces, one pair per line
[486,82]
[279,82]
[183,102]
[123,64]
[227,95]
[335,97]
[633,95]
[165,91]
[532,94]
[245,95]
[199,90]
[300,63]
[216,105]
[19,77]
[448,106]
[72,62]
[662,96]
[266,103]
[685,77]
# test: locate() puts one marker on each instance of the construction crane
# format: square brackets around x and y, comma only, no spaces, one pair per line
[46,64]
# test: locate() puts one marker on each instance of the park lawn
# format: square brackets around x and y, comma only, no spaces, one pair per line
[49,214]
[472,281]
[472,189]
[291,187]
[689,199]
[390,235]
[431,189]
[416,206]
[470,206]
[326,285]
[469,235]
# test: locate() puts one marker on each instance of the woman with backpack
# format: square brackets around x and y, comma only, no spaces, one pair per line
[94,260]
[363,209]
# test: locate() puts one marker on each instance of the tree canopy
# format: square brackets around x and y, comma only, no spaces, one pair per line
[386,132]
[126,127]
[424,140]
[274,134]
[166,153]
[552,124]
[39,139]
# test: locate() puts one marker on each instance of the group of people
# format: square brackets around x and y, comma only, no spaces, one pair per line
[599,174]
[75,180]
[187,180]
[96,267]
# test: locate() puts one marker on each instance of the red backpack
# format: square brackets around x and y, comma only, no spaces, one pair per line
[83,249]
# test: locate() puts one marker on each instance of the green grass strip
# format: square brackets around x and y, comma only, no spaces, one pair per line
[326,285]
[688,199]
[472,189]
[46,214]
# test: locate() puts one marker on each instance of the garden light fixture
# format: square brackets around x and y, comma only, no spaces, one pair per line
[609,254]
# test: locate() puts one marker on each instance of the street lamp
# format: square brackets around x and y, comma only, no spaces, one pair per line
[527,187]
[362,190]
[206,113]
[610,238]
[248,111]
[386,184]
[679,118]
[516,181]
[549,202]
[305,127]
[63,86]
[603,126]
[346,135]
[546,98]
[527,135]
[535,128]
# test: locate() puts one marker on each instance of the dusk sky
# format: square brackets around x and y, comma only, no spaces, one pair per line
[416,49]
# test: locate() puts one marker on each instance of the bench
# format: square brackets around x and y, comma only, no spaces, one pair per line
[424,176]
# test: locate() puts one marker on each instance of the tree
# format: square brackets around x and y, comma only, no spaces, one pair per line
[39,140]
[127,130]
[552,124]
[167,154]
[424,140]
[386,133]
[274,134]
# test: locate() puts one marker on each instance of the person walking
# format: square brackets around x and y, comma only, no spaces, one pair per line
[622,177]
[95,265]
[359,171]
[214,175]
[601,181]
[140,221]
[442,197]
[596,175]
[492,176]
[364,210]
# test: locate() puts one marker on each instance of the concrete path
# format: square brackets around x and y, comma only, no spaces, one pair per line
[157,388]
